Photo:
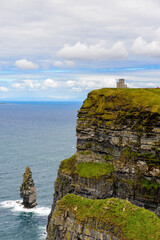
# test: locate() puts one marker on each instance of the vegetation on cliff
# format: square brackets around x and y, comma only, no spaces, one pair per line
[116,216]
[118,155]
[68,165]
[91,169]
[85,169]
[130,99]
[26,177]
[113,108]
[136,112]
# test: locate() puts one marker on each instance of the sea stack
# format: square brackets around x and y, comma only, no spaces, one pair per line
[28,190]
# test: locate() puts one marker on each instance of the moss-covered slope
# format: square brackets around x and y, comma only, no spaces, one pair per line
[125,99]
[80,218]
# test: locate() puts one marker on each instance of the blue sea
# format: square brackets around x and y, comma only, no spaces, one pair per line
[38,135]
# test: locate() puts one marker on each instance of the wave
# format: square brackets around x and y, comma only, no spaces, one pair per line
[17,206]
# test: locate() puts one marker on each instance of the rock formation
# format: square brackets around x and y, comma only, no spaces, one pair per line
[111,219]
[118,150]
[28,190]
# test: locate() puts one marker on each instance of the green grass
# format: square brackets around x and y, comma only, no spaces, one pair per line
[92,169]
[149,185]
[68,165]
[110,98]
[86,169]
[86,152]
[137,108]
[118,217]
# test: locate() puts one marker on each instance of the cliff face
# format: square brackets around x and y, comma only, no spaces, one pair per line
[118,149]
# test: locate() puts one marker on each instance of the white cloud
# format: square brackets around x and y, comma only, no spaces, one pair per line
[49,83]
[90,82]
[66,63]
[58,64]
[93,82]
[82,51]
[76,89]
[18,85]
[38,29]
[80,83]
[69,63]
[35,84]
[142,47]
[31,84]
[25,64]
[70,83]
[3,89]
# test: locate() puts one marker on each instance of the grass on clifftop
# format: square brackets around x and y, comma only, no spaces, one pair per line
[141,98]
[120,217]
[91,169]
[85,169]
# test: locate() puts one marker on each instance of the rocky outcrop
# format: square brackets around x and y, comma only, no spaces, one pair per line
[118,149]
[111,219]
[28,190]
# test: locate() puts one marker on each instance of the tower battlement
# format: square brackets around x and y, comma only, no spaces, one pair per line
[121,84]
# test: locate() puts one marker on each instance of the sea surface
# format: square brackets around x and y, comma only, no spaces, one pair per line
[38,135]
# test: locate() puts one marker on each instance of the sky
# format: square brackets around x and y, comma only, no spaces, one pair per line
[58,50]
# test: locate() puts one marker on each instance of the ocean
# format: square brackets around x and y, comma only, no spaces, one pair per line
[38,135]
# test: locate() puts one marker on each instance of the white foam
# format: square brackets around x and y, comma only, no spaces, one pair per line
[17,206]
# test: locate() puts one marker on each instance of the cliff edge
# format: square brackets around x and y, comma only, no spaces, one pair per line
[118,150]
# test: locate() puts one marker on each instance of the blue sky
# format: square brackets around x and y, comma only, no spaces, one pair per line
[60,50]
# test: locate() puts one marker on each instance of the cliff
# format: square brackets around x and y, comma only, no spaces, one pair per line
[28,190]
[111,219]
[118,149]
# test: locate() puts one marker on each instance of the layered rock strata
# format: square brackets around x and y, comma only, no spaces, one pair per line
[111,219]
[118,149]
[28,190]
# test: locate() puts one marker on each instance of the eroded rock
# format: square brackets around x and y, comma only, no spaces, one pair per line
[28,190]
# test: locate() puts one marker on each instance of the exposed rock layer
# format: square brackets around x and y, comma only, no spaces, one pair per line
[111,219]
[28,190]
[119,131]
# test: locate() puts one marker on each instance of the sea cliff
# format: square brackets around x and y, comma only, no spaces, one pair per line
[118,154]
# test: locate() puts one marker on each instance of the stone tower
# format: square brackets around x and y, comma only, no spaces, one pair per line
[121,84]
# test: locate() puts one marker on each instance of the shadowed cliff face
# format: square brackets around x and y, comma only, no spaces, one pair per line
[118,149]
